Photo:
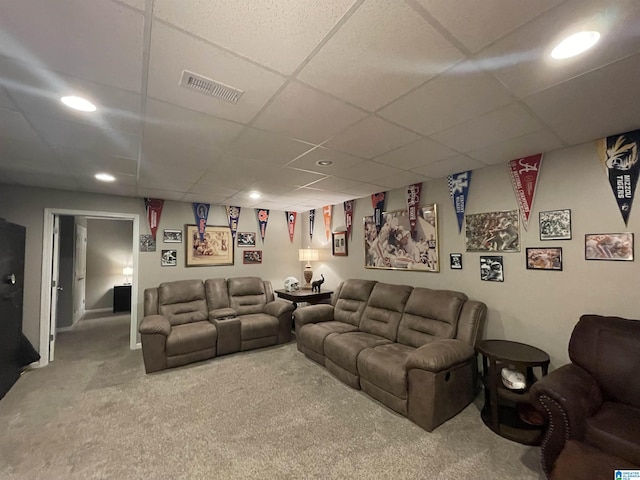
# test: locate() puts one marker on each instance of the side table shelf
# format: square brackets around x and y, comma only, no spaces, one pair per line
[509,412]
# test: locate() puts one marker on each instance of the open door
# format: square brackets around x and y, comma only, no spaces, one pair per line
[55,286]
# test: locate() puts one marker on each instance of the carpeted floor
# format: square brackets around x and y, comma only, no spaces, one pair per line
[264,414]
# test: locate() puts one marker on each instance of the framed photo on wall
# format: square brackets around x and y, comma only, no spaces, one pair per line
[246,239]
[169,258]
[339,244]
[608,246]
[491,269]
[555,225]
[216,248]
[455,261]
[396,247]
[544,259]
[252,256]
[493,231]
[172,236]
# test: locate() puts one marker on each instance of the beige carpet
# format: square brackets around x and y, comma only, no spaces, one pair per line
[265,414]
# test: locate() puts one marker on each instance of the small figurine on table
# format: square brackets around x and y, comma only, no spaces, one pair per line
[315,286]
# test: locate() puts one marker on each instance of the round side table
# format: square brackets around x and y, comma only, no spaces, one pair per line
[509,412]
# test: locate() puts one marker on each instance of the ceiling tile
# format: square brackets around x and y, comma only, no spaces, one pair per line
[228,172]
[529,144]
[45,179]
[521,60]
[68,39]
[460,94]
[88,162]
[340,161]
[384,50]
[416,154]
[143,192]
[208,197]
[449,166]
[280,36]
[173,51]
[489,129]
[139,4]
[5,101]
[480,22]
[205,189]
[325,198]
[335,184]
[268,147]
[367,171]
[401,179]
[371,137]
[178,173]
[16,152]
[306,114]
[14,125]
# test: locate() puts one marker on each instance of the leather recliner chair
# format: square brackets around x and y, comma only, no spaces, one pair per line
[592,405]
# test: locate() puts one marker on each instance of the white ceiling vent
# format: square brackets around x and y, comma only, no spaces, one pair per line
[210,87]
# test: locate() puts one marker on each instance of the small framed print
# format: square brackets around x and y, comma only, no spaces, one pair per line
[339,244]
[172,236]
[544,259]
[455,261]
[246,239]
[252,256]
[147,243]
[608,246]
[491,269]
[169,258]
[555,225]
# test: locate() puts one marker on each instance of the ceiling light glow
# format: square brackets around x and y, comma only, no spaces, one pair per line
[575,44]
[324,163]
[78,103]
[254,195]
[105,177]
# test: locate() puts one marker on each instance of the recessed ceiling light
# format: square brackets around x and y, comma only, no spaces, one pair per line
[254,195]
[324,163]
[105,177]
[575,44]
[78,103]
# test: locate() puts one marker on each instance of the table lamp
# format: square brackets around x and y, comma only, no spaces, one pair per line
[127,272]
[307,255]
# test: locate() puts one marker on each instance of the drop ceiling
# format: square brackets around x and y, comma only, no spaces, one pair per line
[391,92]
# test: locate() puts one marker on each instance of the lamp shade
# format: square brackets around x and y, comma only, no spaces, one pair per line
[126,271]
[308,255]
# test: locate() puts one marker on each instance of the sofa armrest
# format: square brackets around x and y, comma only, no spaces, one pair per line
[440,355]
[566,397]
[155,324]
[220,313]
[278,307]
[313,314]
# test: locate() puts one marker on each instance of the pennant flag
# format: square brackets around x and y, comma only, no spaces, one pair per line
[348,216]
[291,223]
[326,213]
[524,177]
[413,201]
[458,191]
[154,210]
[263,218]
[377,200]
[233,214]
[312,219]
[201,212]
[619,155]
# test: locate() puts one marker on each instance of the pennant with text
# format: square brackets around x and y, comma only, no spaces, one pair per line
[154,210]
[377,200]
[263,218]
[348,216]
[413,201]
[524,177]
[233,214]
[291,223]
[619,155]
[458,191]
[201,212]
[326,213]
[312,220]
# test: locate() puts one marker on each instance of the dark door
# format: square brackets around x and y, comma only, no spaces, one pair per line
[12,239]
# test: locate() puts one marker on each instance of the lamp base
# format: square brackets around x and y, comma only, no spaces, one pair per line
[308,275]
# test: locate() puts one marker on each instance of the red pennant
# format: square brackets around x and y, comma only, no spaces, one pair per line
[524,177]
[154,210]
[291,223]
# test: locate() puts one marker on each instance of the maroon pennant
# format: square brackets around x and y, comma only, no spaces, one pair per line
[291,223]
[348,216]
[154,210]
[413,201]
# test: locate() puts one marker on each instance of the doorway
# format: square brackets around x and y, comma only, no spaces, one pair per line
[48,305]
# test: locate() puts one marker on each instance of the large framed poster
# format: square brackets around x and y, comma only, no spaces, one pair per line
[216,248]
[493,232]
[396,247]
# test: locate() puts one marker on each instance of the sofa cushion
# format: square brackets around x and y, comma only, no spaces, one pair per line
[429,315]
[191,337]
[247,294]
[258,325]
[343,350]
[183,301]
[384,310]
[217,293]
[313,335]
[352,300]
[615,428]
[384,367]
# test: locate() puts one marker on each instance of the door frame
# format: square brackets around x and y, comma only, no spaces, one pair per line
[47,263]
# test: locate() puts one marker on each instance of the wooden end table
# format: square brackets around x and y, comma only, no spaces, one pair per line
[307,296]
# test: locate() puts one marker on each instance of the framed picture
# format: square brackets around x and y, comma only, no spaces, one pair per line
[147,243]
[455,261]
[169,258]
[216,248]
[608,246]
[491,269]
[339,244]
[396,247]
[246,239]
[555,225]
[544,258]
[172,236]
[252,256]
[493,231]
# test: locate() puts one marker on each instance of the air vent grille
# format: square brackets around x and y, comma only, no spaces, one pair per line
[210,87]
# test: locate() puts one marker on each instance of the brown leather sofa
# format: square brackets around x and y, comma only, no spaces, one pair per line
[410,348]
[592,405]
[190,320]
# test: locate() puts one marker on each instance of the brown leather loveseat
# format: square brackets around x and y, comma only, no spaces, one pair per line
[592,405]
[410,348]
[191,320]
